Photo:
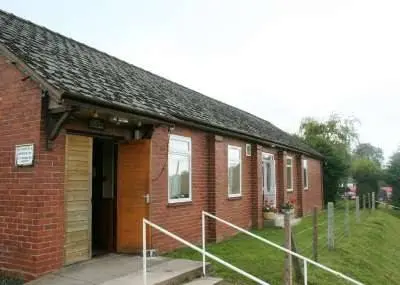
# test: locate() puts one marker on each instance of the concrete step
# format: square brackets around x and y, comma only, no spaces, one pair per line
[205,281]
[171,272]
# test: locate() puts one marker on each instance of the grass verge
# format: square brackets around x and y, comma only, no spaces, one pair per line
[370,254]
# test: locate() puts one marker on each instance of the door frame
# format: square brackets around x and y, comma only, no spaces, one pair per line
[268,158]
[111,235]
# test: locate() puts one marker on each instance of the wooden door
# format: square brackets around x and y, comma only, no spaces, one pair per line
[133,184]
[78,193]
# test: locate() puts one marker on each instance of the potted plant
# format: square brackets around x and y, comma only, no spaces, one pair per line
[288,206]
[269,212]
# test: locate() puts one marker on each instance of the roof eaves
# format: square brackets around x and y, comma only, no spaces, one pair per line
[179,119]
[54,92]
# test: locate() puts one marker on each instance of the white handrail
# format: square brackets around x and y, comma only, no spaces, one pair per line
[388,204]
[192,246]
[305,259]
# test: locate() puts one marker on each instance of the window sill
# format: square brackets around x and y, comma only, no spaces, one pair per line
[305,189]
[233,198]
[178,204]
[289,190]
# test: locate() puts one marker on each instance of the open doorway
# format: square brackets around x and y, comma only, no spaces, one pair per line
[103,193]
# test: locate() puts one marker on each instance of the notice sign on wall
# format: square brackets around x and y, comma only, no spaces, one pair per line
[24,154]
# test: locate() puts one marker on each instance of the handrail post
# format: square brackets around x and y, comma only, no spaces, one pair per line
[203,239]
[319,265]
[144,253]
[305,273]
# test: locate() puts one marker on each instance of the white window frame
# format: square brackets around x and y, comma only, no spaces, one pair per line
[291,173]
[265,156]
[305,179]
[189,154]
[240,171]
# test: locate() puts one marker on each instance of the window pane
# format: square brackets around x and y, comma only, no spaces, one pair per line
[305,177]
[234,178]
[179,146]
[288,161]
[178,175]
[263,176]
[288,177]
[269,177]
[233,154]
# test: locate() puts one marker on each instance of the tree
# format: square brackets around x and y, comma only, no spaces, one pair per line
[393,177]
[367,168]
[368,151]
[333,139]
[367,173]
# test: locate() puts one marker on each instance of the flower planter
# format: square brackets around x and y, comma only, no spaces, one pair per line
[269,215]
[290,212]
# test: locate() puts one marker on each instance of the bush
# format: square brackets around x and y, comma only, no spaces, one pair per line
[10,279]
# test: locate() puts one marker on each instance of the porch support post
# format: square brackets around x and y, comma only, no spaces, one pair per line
[299,185]
[280,183]
[256,186]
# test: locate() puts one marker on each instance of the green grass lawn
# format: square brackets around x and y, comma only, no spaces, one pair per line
[371,254]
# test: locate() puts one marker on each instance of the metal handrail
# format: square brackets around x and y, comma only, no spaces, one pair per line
[192,246]
[388,204]
[305,259]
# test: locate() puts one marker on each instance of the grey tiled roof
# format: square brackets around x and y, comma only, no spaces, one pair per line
[79,69]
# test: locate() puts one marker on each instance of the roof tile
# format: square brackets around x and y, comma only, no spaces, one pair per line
[79,69]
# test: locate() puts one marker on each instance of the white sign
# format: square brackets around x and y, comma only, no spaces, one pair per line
[24,154]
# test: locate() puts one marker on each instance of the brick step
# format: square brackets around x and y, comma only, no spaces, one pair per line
[168,272]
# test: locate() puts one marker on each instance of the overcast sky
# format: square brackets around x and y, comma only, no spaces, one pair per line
[280,60]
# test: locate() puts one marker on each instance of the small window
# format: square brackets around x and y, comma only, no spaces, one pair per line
[234,171]
[179,169]
[289,173]
[248,149]
[305,174]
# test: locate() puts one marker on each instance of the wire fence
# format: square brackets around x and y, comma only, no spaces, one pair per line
[343,224]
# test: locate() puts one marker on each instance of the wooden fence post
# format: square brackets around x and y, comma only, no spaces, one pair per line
[296,262]
[331,224]
[315,233]
[364,202]
[346,218]
[288,271]
[373,200]
[358,209]
[369,200]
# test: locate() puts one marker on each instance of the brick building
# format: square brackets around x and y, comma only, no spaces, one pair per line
[89,145]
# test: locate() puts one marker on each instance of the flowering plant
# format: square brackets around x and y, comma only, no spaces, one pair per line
[269,208]
[289,205]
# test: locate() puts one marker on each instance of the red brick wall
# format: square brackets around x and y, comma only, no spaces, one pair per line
[236,210]
[314,195]
[183,219]
[31,198]
[209,189]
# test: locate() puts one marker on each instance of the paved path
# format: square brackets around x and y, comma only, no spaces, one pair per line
[97,270]
[115,269]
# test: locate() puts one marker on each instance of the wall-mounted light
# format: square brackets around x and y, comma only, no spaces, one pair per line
[136,134]
[118,120]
